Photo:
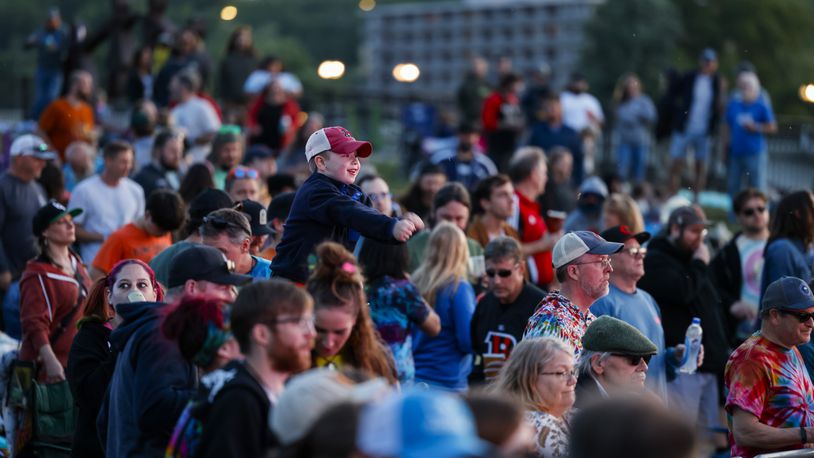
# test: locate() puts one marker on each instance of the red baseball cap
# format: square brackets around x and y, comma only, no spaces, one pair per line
[336,139]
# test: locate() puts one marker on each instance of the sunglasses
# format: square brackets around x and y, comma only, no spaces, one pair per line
[752,211]
[634,360]
[229,129]
[221,223]
[374,196]
[502,273]
[244,172]
[637,251]
[801,317]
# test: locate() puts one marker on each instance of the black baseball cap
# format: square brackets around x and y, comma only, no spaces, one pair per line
[280,205]
[787,293]
[257,216]
[204,263]
[207,201]
[622,234]
[688,215]
[49,213]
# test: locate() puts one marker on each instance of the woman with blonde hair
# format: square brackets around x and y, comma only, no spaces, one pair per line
[540,374]
[346,336]
[622,210]
[444,361]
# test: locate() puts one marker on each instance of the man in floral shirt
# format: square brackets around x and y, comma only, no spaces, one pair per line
[770,397]
[582,263]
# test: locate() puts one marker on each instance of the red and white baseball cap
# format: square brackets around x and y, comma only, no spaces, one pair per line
[336,139]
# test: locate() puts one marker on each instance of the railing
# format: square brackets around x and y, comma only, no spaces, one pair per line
[802,453]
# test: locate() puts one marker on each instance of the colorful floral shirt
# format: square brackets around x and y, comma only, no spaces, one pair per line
[551,434]
[557,317]
[396,307]
[771,383]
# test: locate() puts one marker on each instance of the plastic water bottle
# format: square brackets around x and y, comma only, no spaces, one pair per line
[692,346]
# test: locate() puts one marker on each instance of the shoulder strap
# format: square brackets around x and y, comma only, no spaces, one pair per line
[81,294]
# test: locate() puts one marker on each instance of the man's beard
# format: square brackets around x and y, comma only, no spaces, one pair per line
[285,358]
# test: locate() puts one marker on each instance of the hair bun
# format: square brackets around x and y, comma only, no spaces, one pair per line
[335,263]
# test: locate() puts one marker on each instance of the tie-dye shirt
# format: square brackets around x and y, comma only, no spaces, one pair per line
[557,317]
[396,307]
[770,382]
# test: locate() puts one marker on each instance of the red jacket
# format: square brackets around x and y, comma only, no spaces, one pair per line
[47,296]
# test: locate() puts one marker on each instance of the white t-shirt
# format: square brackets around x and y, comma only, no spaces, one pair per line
[106,208]
[698,120]
[575,109]
[196,117]
[259,79]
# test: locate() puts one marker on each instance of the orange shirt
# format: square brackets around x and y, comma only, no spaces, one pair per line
[64,124]
[129,242]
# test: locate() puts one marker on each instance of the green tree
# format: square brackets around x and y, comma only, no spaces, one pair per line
[629,36]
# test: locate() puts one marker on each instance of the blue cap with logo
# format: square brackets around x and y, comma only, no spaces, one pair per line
[417,424]
[788,293]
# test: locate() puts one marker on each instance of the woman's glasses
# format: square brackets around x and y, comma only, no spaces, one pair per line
[564,375]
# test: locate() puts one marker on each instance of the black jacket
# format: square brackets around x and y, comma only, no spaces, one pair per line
[727,274]
[587,392]
[326,209]
[152,177]
[497,328]
[683,288]
[236,424]
[90,367]
[682,95]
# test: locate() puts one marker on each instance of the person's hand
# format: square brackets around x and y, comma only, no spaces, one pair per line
[743,311]
[550,239]
[53,371]
[678,354]
[415,219]
[702,253]
[403,230]
[5,280]
[750,125]
[700,356]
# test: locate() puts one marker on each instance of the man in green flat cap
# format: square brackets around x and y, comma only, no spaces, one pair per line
[613,361]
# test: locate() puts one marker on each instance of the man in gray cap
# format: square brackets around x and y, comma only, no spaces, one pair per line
[613,361]
[770,397]
[582,263]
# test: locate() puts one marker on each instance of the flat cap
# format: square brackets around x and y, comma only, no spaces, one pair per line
[612,335]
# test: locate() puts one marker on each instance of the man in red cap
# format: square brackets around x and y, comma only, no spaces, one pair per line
[328,206]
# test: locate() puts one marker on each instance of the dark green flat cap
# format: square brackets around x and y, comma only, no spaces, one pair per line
[608,334]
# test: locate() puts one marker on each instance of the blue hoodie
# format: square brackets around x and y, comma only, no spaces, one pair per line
[150,387]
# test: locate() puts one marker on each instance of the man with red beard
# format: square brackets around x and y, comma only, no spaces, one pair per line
[273,323]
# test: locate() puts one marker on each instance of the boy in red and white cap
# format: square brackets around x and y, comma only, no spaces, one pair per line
[328,206]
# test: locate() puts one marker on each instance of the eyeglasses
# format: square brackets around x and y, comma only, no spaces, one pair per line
[606,262]
[637,251]
[379,195]
[563,375]
[244,172]
[221,223]
[634,360]
[502,273]
[752,211]
[306,323]
[802,317]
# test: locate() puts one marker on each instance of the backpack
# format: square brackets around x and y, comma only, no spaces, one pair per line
[186,436]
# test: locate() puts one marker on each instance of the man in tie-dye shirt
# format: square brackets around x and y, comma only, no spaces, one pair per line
[770,397]
[583,266]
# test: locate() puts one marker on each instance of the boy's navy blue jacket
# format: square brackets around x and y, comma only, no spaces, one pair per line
[151,385]
[326,209]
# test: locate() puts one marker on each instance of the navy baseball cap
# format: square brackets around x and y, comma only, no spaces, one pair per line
[787,293]
[574,244]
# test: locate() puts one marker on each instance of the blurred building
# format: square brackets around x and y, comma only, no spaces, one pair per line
[441,37]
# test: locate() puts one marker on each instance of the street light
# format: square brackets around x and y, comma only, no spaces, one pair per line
[807,93]
[331,69]
[228,13]
[367,5]
[406,72]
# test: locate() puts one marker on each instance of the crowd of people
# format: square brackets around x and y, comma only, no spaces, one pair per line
[229,277]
